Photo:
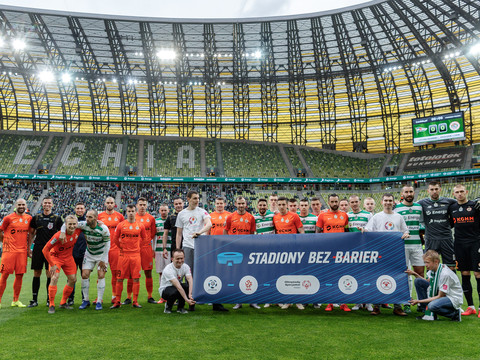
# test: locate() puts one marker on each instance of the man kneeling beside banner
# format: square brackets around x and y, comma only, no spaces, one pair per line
[307,268]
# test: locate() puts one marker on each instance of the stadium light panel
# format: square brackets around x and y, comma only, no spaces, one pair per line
[46,76]
[66,78]
[19,44]
[1,42]
[166,54]
[475,49]
[258,54]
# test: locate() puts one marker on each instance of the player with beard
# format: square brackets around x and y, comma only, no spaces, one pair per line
[438,234]
[412,213]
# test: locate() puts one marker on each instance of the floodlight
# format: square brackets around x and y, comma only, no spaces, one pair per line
[46,76]
[166,54]
[66,77]
[19,44]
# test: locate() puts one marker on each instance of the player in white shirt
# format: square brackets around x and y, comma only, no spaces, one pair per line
[171,286]
[388,220]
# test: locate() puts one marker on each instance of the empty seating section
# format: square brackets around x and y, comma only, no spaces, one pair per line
[210,154]
[52,150]
[19,152]
[325,164]
[91,156]
[253,160]
[132,153]
[171,158]
[396,160]
[476,150]
[411,172]
[293,157]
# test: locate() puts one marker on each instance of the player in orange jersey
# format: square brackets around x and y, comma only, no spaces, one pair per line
[146,251]
[129,235]
[58,253]
[111,219]
[218,217]
[286,222]
[14,233]
[333,221]
[241,223]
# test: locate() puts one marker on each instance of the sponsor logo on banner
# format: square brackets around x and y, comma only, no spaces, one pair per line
[436,159]
[248,285]
[347,284]
[212,285]
[386,284]
[297,284]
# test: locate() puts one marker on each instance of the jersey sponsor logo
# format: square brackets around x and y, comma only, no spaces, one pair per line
[50,226]
[334,227]
[445,287]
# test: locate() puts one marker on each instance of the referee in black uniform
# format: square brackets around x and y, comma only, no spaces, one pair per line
[44,225]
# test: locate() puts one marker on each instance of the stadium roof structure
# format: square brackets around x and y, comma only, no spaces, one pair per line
[350,79]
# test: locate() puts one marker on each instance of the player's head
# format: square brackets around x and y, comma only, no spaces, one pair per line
[354,202]
[434,189]
[109,203]
[178,258]
[193,199]
[282,205]
[460,193]
[20,206]
[304,207]
[219,204]
[142,206]
[47,205]
[292,205]
[131,211]
[431,259]
[71,223]
[369,204]
[273,202]
[163,210]
[241,204]
[333,202]
[92,216]
[388,201]
[80,209]
[408,193]
[178,204]
[316,206]
[262,206]
[343,205]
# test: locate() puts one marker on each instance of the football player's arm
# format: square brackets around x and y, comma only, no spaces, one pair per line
[253,225]
[206,227]
[116,236]
[106,249]
[46,253]
[299,224]
[5,223]
[319,224]
[164,242]
[178,239]
[228,225]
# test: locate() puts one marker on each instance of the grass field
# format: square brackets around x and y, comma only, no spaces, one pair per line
[272,333]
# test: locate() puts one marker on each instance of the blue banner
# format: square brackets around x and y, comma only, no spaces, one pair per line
[302,268]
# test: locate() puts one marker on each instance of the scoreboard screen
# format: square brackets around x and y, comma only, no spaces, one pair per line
[438,129]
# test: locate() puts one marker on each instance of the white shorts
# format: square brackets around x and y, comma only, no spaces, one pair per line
[161,262]
[414,255]
[89,262]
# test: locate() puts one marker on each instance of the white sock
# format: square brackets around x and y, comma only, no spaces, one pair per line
[100,289]
[86,289]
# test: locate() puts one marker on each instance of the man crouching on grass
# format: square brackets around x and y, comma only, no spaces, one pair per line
[440,292]
[171,286]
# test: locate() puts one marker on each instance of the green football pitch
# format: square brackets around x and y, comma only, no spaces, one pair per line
[271,333]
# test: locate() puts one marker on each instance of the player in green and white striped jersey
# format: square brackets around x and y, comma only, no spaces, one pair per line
[357,219]
[309,221]
[264,218]
[412,213]
[98,245]
[160,259]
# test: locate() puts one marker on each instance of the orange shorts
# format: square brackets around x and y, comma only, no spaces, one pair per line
[113,258]
[13,261]
[147,254]
[67,265]
[130,266]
